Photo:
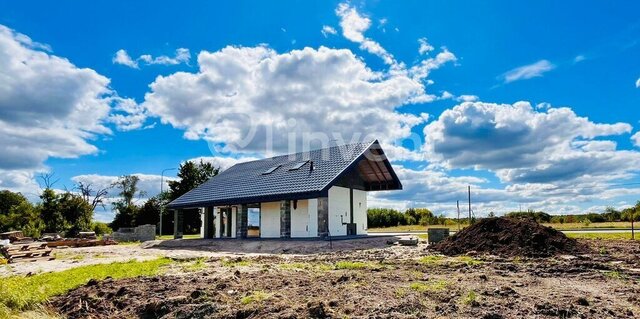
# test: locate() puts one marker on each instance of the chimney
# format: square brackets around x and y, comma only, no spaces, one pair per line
[310,166]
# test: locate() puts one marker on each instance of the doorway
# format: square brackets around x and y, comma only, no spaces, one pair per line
[226,222]
[253,221]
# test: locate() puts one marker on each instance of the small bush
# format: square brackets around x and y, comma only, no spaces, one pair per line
[101,228]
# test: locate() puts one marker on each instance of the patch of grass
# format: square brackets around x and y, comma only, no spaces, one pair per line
[470,298]
[355,265]
[614,274]
[3,261]
[429,286]
[401,292]
[423,236]
[235,262]
[18,293]
[470,261]
[600,236]
[195,265]
[168,237]
[256,296]
[351,265]
[431,260]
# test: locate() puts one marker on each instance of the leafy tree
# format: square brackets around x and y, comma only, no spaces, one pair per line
[77,213]
[9,199]
[150,212]
[384,217]
[23,216]
[126,210]
[50,212]
[191,175]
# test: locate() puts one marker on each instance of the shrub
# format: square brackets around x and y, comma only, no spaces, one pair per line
[101,228]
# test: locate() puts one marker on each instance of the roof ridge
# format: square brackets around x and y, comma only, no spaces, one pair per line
[309,151]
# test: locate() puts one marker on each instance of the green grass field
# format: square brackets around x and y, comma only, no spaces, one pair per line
[20,293]
[407,228]
[602,236]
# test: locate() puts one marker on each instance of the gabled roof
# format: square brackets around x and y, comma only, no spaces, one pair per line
[257,181]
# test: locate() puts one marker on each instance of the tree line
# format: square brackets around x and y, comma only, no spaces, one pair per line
[386,217]
[69,212]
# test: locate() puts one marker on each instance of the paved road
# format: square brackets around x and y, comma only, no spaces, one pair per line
[590,230]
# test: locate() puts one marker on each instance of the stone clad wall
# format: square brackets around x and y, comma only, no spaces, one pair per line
[140,233]
[242,221]
[323,217]
[285,219]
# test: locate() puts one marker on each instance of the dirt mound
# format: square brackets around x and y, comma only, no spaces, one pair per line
[509,237]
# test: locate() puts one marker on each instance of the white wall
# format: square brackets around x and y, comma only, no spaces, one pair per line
[313,217]
[300,219]
[270,220]
[235,210]
[360,211]
[338,210]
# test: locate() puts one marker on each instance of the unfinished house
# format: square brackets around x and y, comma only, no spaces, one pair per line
[311,194]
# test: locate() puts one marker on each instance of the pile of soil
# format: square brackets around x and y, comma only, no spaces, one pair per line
[510,237]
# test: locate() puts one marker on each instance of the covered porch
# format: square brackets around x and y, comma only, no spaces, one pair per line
[256,220]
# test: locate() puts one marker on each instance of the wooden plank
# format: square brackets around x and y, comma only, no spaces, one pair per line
[42,258]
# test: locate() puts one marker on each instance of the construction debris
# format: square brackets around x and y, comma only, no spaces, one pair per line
[509,237]
[35,251]
[408,241]
[80,242]
[436,234]
[15,237]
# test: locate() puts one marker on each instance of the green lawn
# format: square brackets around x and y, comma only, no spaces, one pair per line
[191,236]
[602,236]
[590,225]
[20,293]
[408,228]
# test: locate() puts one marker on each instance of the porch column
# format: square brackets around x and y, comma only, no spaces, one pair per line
[323,217]
[207,221]
[178,223]
[242,221]
[285,219]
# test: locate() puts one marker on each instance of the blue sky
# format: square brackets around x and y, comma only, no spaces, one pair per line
[534,106]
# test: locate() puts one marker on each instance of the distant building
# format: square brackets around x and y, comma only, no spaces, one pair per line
[311,194]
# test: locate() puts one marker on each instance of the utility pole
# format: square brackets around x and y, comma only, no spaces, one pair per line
[633,216]
[469,192]
[458,205]
[161,190]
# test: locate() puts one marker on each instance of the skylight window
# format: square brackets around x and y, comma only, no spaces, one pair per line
[269,171]
[298,165]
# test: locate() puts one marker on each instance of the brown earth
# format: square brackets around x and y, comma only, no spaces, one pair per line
[510,237]
[391,282]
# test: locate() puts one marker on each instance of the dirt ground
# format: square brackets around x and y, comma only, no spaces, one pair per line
[369,280]
[185,249]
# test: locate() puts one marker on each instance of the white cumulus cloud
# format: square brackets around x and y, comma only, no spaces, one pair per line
[524,145]
[49,107]
[256,99]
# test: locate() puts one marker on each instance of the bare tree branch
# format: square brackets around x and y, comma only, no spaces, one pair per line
[94,198]
[47,180]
